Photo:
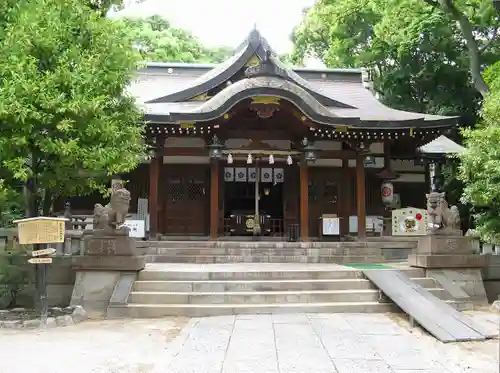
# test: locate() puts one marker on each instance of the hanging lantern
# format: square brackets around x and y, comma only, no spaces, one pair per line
[387,193]
[215,148]
[369,160]
[249,159]
[308,150]
[289,160]
[271,159]
[229,158]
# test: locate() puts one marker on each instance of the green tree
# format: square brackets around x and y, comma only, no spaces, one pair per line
[416,52]
[65,117]
[156,40]
[480,166]
[479,26]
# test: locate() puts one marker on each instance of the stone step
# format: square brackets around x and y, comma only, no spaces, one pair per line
[405,243]
[255,297]
[147,275]
[266,251]
[200,310]
[264,285]
[207,259]
[262,297]
[264,271]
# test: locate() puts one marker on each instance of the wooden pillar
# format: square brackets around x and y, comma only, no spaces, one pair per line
[361,194]
[214,200]
[154,176]
[304,202]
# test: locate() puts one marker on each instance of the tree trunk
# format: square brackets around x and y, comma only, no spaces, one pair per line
[468,34]
[48,200]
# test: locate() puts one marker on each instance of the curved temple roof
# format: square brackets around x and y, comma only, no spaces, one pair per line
[326,96]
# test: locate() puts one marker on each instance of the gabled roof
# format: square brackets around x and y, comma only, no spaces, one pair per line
[441,146]
[254,45]
[169,91]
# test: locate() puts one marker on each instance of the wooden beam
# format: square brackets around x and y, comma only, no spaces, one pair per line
[304,202]
[214,200]
[202,152]
[194,152]
[154,175]
[361,195]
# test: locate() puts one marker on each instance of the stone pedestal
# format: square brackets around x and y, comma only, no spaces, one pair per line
[110,251]
[441,251]
[102,293]
[451,261]
[106,272]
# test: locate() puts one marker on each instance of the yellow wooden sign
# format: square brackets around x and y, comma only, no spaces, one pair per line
[187,124]
[40,230]
[43,252]
[265,100]
[40,261]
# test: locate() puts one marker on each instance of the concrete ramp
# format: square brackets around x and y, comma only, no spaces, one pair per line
[434,315]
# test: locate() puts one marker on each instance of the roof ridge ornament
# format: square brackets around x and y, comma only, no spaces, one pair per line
[266,67]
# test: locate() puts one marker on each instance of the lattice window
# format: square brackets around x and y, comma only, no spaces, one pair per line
[175,190]
[330,192]
[195,189]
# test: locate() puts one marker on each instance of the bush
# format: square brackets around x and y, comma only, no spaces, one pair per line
[14,277]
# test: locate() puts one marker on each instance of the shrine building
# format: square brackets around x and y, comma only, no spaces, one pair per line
[252,147]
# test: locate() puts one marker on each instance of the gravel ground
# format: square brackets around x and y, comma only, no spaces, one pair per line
[297,343]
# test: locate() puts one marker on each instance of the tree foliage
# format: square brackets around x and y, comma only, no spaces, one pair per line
[416,51]
[65,118]
[156,40]
[480,167]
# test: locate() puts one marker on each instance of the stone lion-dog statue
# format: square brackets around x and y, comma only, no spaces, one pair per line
[444,219]
[112,216]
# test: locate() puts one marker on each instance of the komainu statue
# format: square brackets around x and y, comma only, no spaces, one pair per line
[112,216]
[444,220]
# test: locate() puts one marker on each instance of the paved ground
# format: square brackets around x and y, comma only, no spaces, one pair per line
[299,343]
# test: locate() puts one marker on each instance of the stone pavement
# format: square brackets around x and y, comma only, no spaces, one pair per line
[293,343]
[326,343]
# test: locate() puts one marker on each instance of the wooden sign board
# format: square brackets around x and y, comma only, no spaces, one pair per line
[409,221]
[40,260]
[331,225]
[43,252]
[40,230]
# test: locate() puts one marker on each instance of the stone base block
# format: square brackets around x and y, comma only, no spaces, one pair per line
[463,284]
[108,244]
[93,291]
[109,263]
[99,291]
[444,245]
[446,261]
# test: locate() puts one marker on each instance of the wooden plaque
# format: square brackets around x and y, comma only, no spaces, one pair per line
[409,221]
[40,260]
[40,230]
[331,225]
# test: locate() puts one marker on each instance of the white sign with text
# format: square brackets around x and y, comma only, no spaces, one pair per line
[137,228]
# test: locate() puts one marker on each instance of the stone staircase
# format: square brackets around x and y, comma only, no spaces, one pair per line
[203,252]
[168,289]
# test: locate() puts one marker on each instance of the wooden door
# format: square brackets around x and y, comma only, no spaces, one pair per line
[324,189]
[186,199]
